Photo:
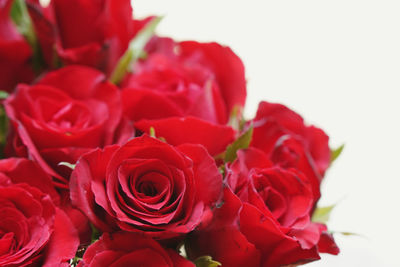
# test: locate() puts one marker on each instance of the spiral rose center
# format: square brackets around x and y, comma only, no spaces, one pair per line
[66,116]
[147,188]
[271,197]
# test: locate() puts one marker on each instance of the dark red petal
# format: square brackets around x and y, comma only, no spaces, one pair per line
[319,148]
[124,243]
[208,179]
[215,138]
[63,242]
[276,247]
[146,104]
[228,69]
[22,170]
[178,260]
[87,190]
[282,115]
[326,242]
[226,245]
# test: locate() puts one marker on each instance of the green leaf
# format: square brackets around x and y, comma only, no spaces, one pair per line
[347,234]
[74,262]
[152,132]
[321,214]
[3,95]
[20,16]
[335,153]
[3,130]
[95,234]
[206,261]
[135,50]
[67,164]
[241,143]
[235,118]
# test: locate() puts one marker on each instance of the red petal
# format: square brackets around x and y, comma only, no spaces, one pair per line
[215,138]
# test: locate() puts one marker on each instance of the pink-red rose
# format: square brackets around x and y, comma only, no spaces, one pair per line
[204,80]
[147,186]
[33,231]
[15,52]
[127,249]
[289,143]
[67,113]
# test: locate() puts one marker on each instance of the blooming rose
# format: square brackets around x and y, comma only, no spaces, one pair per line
[67,113]
[264,218]
[33,231]
[91,33]
[289,143]
[127,249]
[146,186]
[204,80]
[15,52]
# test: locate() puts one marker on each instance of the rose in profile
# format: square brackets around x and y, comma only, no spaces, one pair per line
[283,136]
[147,186]
[264,219]
[67,113]
[204,80]
[33,231]
[15,52]
[128,249]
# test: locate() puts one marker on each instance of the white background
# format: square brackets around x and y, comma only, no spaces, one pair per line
[338,64]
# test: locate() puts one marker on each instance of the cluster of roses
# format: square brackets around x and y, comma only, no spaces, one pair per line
[128,149]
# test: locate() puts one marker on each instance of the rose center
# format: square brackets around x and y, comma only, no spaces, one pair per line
[147,188]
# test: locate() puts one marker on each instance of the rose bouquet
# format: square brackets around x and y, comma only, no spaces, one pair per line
[124,148]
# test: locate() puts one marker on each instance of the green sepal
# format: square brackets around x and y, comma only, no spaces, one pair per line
[3,95]
[335,153]
[322,214]
[206,261]
[20,16]
[241,143]
[152,132]
[67,164]
[3,130]
[135,51]
[95,234]
[235,118]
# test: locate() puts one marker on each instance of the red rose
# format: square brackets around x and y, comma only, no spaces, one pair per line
[289,143]
[146,186]
[127,249]
[91,33]
[204,80]
[33,232]
[269,214]
[67,113]
[15,52]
